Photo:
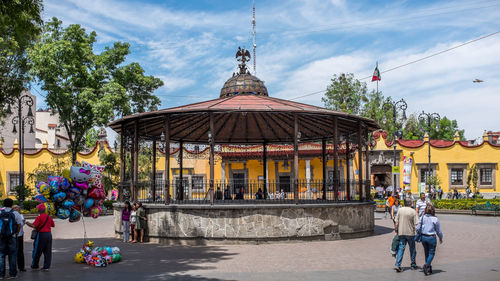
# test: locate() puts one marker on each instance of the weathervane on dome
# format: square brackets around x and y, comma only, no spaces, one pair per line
[243,56]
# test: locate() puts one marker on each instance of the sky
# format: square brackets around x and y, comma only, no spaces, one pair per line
[191,45]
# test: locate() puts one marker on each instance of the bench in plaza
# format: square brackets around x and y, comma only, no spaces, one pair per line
[486,207]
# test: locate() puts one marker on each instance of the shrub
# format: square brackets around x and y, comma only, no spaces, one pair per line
[109,204]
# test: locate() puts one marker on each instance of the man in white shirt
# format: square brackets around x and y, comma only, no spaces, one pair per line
[421,204]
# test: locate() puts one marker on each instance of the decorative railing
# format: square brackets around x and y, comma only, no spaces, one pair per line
[241,191]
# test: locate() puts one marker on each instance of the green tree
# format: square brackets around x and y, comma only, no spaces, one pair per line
[85,88]
[345,93]
[111,163]
[91,138]
[444,130]
[20,24]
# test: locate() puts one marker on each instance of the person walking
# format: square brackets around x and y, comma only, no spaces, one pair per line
[406,220]
[10,225]
[20,240]
[388,205]
[141,223]
[430,229]
[126,221]
[394,210]
[421,204]
[43,242]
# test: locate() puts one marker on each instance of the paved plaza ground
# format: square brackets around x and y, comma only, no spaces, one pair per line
[471,251]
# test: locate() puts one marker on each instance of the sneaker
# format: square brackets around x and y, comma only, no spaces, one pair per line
[35,268]
[12,277]
[414,267]
[22,270]
[45,269]
[398,269]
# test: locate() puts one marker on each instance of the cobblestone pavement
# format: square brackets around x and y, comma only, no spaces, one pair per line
[471,251]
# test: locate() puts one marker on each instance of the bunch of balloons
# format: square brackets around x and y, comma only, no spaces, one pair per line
[98,256]
[77,192]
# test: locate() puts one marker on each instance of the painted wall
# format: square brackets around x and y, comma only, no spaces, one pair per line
[444,156]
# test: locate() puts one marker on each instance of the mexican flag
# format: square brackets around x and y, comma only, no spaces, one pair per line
[376,74]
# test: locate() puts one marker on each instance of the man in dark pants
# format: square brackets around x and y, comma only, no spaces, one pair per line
[43,242]
[20,241]
[8,245]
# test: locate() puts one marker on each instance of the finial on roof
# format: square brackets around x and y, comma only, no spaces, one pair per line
[243,56]
[456,137]
[485,136]
[426,136]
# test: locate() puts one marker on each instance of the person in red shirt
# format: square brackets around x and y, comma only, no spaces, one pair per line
[43,242]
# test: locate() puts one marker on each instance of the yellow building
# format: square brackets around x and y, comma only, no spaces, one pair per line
[450,162]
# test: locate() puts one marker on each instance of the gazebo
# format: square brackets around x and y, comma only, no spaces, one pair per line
[245,117]
[243,114]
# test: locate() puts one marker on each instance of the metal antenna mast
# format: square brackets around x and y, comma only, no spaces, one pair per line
[254,41]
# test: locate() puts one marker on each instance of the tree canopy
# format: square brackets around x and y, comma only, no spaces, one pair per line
[347,94]
[85,88]
[20,24]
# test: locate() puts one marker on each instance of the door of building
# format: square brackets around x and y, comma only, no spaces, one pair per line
[285,183]
[238,182]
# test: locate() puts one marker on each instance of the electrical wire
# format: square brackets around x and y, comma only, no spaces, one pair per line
[412,62]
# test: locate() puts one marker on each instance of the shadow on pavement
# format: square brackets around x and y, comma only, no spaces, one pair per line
[381,230]
[140,262]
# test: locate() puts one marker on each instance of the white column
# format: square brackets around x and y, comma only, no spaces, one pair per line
[223,171]
[308,178]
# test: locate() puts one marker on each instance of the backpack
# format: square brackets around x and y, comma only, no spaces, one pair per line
[8,224]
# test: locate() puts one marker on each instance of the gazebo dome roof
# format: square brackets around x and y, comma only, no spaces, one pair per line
[243,84]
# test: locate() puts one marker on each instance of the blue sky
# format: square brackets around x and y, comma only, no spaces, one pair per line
[190,45]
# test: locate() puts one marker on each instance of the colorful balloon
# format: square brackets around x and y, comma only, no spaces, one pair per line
[74,216]
[73,192]
[80,174]
[40,198]
[79,258]
[43,188]
[68,204]
[59,197]
[88,203]
[95,212]
[63,213]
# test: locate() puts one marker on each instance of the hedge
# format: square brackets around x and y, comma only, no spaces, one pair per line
[455,204]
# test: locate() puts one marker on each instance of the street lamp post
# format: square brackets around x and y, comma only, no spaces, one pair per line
[22,121]
[428,119]
[395,106]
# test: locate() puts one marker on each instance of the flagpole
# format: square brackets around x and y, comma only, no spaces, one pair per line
[377,86]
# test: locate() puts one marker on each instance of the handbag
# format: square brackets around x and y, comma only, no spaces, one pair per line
[34,233]
[418,237]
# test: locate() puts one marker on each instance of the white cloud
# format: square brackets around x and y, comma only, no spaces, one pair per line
[176,83]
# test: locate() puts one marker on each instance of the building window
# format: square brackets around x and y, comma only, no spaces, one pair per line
[198,182]
[13,181]
[457,176]
[486,176]
[425,174]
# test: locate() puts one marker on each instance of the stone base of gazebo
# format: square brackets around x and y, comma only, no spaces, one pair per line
[199,224]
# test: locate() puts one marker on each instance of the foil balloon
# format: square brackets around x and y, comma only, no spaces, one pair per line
[80,174]
[43,188]
[64,185]
[95,212]
[63,213]
[40,198]
[74,216]
[73,192]
[68,204]
[79,258]
[79,201]
[88,203]
[59,197]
